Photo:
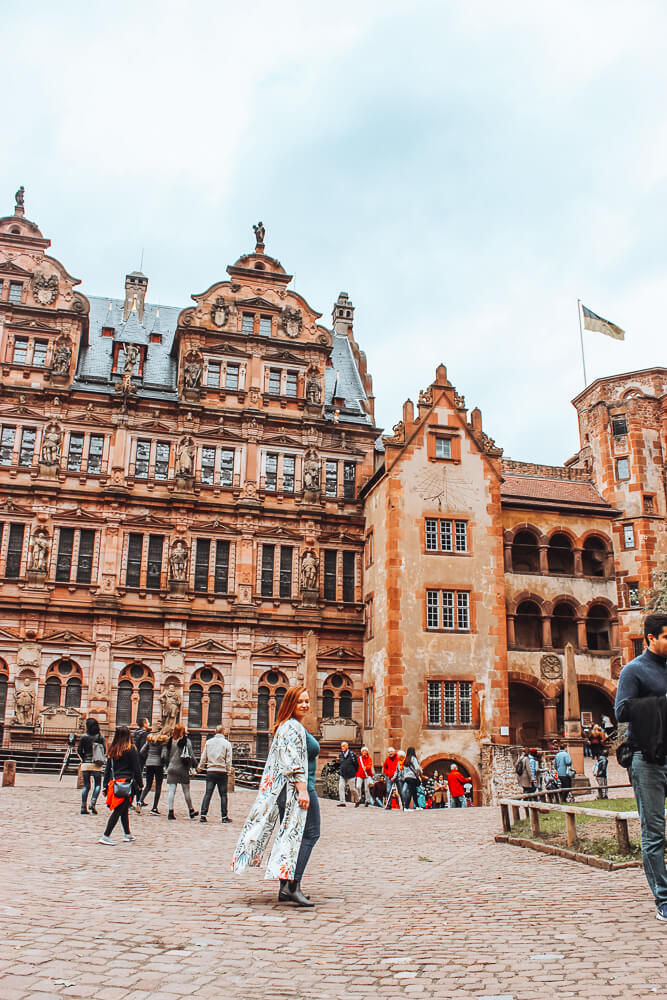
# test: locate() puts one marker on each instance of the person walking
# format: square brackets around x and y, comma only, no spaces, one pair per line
[640,700]
[216,763]
[411,774]
[122,780]
[563,766]
[347,770]
[140,734]
[364,777]
[525,773]
[154,756]
[600,772]
[92,752]
[396,784]
[180,758]
[389,769]
[456,782]
[290,767]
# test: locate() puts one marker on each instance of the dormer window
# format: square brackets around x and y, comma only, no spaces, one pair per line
[107,331]
[20,351]
[265,326]
[248,323]
[15,292]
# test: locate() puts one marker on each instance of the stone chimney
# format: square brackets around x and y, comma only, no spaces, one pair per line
[136,285]
[343,315]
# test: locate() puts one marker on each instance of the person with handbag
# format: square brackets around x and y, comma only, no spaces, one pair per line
[180,759]
[154,756]
[411,775]
[93,756]
[122,780]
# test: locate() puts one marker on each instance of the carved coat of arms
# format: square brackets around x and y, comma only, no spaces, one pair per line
[551,667]
[219,312]
[44,290]
[292,321]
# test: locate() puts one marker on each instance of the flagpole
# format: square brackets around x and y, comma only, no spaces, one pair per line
[581,338]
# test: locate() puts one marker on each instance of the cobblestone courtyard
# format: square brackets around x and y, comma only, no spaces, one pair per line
[409,905]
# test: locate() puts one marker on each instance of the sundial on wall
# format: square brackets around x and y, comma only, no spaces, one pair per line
[438,485]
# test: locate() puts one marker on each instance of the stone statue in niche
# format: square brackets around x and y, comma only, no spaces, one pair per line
[131,358]
[219,312]
[45,290]
[50,453]
[38,552]
[178,560]
[313,390]
[309,569]
[24,703]
[292,321]
[192,371]
[62,357]
[170,709]
[185,457]
[260,233]
[311,473]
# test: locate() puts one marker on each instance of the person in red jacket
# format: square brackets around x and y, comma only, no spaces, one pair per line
[389,769]
[364,777]
[456,782]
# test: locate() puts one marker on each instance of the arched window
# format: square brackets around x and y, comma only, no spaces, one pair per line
[563,626]
[337,697]
[598,628]
[64,673]
[135,694]
[560,555]
[528,625]
[271,690]
[594,557]
[525,553]
[205,699]
[214,705]
[195,695]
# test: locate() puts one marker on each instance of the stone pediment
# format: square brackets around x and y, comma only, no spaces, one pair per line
[284,356]
[8,506]
[139,642]
[9,267]
[339,653]
[226,348]
[70,638]
[217,525]
[339,537]
[154,425]
[148,521]
[79,514]
[258,303]
[278,532]
[6,634]
[21,411]
[284,439]
[209,646]
[215,430]
[33,325]
[276,649]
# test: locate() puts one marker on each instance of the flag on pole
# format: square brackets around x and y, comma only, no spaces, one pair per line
[594,322]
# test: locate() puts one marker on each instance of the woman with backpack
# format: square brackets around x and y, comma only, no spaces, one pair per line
[93,756]
[411,774]
[154,755]
[180,758]
[122,780]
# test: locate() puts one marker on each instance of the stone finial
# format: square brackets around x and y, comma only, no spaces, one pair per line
[19,197]
[408,415]
[260,233]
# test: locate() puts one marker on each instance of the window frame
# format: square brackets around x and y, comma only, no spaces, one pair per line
[452,605]
[449,693]
[619,478]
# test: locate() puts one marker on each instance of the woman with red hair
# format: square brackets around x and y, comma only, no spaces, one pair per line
[287,789]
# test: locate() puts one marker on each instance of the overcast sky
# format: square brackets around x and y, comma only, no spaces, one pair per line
[464,169]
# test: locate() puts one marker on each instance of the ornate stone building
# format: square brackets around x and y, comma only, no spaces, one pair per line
[182,533]
[480,570]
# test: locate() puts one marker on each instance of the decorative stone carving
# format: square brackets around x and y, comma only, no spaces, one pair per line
[551,667]
[100,686]
[131,358]
[185,458]
[55,718]
[29,654]
[24,703]
[192,370]
[174,661]
[291,321]
[50,452]
[313,387]
[170,709]
[309,570]
[45,290]
[311,476]
[260,233]
[242,694]
[38,552]
[426,396]
[616,666]
[219,312]
[62,357]
[178,561]
[19,198]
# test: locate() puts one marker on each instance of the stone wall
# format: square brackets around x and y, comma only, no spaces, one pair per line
[512,468]
[499,778]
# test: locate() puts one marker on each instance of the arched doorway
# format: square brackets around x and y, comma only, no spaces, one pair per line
[442,763]
[596,701]
[270,692]
[526,715]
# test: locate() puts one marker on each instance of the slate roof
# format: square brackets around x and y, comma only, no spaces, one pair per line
[563,492]
[160,369]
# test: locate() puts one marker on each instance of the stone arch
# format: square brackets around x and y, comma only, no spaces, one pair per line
[271,688]
[510,533]
[63,684]
[205,692]
[525,548]
[453,758]
[561,544]
[544,689]
[596,554]
[134,693]
[337,696]
[525,595]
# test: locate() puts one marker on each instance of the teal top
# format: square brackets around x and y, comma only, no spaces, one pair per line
[313,749]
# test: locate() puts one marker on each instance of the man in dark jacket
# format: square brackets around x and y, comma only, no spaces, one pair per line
[347,770]
[140,735]
[645,677]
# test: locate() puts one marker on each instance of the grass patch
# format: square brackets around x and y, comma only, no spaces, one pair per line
[595,836]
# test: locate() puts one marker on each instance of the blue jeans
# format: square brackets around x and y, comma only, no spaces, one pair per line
[649,782]
[94,777]
[459,802]
[311,834]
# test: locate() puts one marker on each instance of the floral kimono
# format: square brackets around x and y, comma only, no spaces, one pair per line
[286,764]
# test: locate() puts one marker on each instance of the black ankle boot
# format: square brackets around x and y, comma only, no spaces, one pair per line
[171,814]
[283,891]
[296,896]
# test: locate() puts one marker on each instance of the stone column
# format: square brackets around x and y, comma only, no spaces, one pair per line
[614,637]
[546,633]
[508,557]
[544,559]
[549,706]
[578,566]
[511,630]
